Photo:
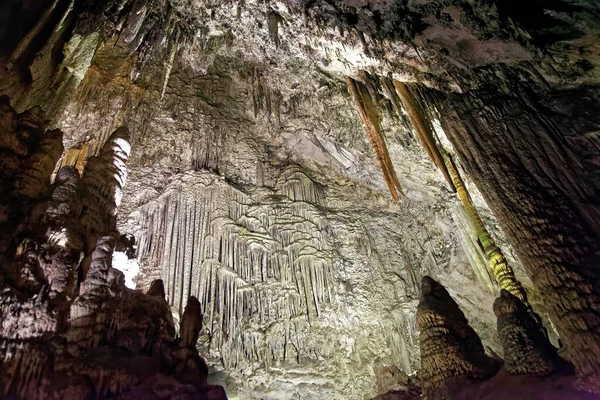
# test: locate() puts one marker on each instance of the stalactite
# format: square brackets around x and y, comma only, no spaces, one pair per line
[229,250]
[502,271]
[31,35]
[273,19]
[173,48]
[371,119]
[423,129]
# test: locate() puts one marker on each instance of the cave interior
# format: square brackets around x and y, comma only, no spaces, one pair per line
[300,199]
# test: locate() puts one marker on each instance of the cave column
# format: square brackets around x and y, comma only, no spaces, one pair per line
[502,271]
[515,150]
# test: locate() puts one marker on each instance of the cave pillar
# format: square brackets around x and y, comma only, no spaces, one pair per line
[523,155]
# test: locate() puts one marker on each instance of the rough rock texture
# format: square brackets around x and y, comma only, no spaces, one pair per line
[63,335]
[544,194]
[253,185]
[526,347]
[451,351]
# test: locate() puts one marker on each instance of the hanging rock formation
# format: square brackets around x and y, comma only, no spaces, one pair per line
[253,187]
[371,119]
[451,351]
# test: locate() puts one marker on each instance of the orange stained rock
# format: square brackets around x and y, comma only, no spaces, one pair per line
[371,120]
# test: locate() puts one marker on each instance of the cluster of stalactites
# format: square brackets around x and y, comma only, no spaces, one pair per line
[248,260]
[420,121]
[372,120]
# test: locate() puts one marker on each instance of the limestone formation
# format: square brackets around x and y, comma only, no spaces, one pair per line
[102,184]
[254,188]
[64,206]
[371,119]
[526,347]
[422,126]
[554,235]
[502,271]
[64,334]
[157,289]
[451,351]
[191,322]
[34,180]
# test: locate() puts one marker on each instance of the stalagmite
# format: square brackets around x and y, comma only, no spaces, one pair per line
[101,262]
[10,137]
[157,289]
[102,185]
[34,182]
[191,322]
[371,119]
[451,351]
[64,204]
[527,350]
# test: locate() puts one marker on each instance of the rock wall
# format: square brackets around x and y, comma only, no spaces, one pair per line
[543,192]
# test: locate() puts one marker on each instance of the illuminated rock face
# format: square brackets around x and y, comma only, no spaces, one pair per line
[548,217]
[255,186]
[70,333]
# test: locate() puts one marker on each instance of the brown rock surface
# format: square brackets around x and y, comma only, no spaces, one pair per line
[451,351]
[527,350]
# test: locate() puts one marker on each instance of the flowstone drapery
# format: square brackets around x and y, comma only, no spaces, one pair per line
[248,257]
